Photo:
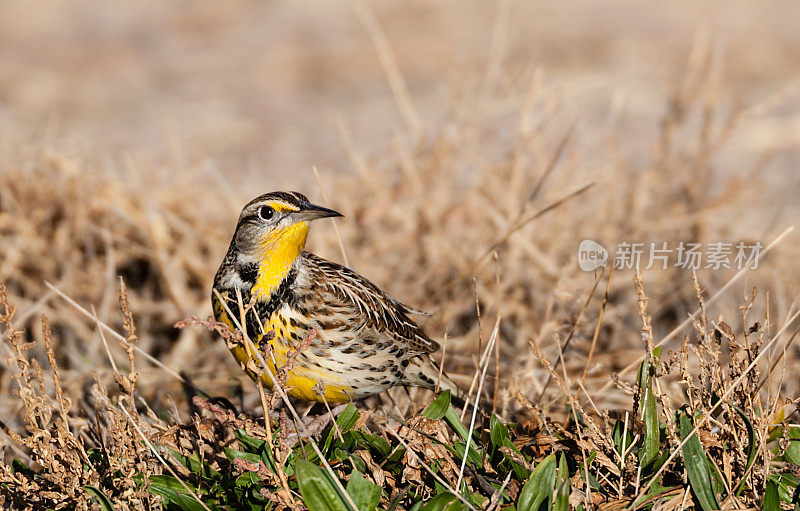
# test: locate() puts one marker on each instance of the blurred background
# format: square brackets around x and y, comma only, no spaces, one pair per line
[261,88]
[131,135]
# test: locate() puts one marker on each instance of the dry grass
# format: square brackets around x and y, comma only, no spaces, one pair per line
[473,215]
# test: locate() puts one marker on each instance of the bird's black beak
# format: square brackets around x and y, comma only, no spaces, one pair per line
[310,212]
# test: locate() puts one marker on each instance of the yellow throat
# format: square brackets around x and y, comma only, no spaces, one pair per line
[279,249]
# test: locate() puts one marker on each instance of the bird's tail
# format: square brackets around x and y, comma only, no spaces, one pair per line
[425,372]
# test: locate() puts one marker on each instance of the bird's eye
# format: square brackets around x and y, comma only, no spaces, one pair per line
[266,212]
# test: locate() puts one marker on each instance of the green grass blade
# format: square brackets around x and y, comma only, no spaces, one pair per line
[498,433]
[539,487]
[622,438]
[771,500]
[451,417]
[345,422]
[364,493]
[561,501]
[474,456]
[18,467]
[499,436]
[319,493]
[752,447]
[652,431]
[697,467]
[100,497]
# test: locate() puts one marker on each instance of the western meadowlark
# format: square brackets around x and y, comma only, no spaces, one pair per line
[335,335]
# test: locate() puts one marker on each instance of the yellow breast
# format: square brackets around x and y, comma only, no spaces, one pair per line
[301,377]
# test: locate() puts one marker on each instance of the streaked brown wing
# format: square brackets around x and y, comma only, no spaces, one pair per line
[379,310]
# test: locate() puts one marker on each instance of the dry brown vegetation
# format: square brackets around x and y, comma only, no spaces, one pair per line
[468,203]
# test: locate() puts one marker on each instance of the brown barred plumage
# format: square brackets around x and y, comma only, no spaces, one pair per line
[338,334]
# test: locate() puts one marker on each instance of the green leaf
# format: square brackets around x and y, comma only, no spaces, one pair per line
[100,497]
[196,466]
[539,487]
[787,486]
[594,484]
[358,463]
[173,492]
[248,443]
[477,500]
[364,493]
[375,442]
[796,497]
[440,502]
[452,418]
[498,434]
[792,453]
[347,419]
[165,481]
[441,408]
[345,422]
[339,454]
[318,491]
[288,465]
[438,406]
[775,432]
[396,455]
[652,432]
[561,502]
[474,457]
[231,454]
[622,438]
[399,497]
[696,461]
[269,461]
[771,501]
[248,479]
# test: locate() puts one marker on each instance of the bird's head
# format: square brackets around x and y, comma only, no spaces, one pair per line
[277,223]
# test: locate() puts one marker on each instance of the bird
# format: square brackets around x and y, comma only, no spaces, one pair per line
[326,333]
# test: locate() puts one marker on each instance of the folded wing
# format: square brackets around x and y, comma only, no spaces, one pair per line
[378,310]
